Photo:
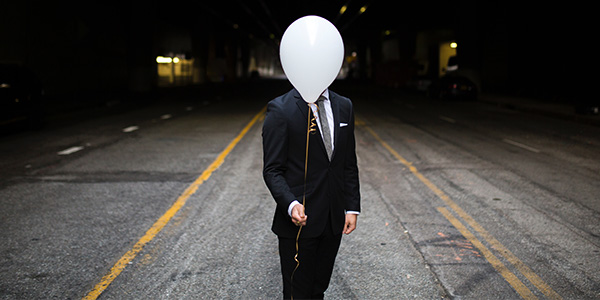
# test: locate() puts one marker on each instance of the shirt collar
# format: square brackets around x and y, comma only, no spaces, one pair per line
[326,94]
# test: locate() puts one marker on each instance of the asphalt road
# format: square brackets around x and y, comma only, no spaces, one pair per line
[461,200]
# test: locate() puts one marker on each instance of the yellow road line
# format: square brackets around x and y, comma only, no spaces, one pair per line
[165,218]
[495,244]
[491,258]
[507,254]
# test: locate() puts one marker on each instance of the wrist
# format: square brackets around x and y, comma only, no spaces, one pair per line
[294,203]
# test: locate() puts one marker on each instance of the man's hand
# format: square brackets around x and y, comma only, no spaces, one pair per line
[298,216]
[350,223]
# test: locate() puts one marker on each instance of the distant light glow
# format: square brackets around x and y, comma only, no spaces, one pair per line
[167,60]
[363,9]
[453,45]
[164,60]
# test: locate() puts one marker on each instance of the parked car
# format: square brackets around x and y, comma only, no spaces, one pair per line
[21,96]
[453,87]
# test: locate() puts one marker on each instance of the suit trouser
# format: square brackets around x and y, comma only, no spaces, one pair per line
[316,256]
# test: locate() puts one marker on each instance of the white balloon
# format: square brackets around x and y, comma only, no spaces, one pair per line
[311,53]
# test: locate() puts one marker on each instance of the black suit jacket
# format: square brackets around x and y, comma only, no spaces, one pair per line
[331,187]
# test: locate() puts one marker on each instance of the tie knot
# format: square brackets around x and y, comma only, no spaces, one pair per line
[321,99]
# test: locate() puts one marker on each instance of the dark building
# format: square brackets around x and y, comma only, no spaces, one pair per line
[102,47]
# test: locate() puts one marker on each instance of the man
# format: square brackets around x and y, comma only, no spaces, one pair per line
[330,186]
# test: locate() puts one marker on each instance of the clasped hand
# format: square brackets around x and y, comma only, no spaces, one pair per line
[298,216]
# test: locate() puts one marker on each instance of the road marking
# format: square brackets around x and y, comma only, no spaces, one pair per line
[164,219]
[130,128]
[495,244]
[449,120]
[491,258]
[70,150]
[521,145]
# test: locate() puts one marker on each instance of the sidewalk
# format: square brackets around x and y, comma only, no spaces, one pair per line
[556,110]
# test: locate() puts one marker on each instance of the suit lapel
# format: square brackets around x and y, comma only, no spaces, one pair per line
[302,106]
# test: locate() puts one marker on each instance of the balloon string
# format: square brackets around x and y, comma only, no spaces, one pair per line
[311,128]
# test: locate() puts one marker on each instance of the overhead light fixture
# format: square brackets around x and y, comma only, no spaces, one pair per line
[343,9]
[453,45]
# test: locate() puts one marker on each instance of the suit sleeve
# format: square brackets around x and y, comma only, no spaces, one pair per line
[275,149]
[351,181]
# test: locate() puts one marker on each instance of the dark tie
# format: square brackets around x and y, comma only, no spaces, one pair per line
[324,126]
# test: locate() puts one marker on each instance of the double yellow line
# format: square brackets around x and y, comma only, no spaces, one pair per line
[166,217]
[509,276]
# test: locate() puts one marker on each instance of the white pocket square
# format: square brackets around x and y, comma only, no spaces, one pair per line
[343,124]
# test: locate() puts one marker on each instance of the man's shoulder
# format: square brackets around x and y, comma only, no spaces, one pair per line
[282,105]
[341,99]
[285,98]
